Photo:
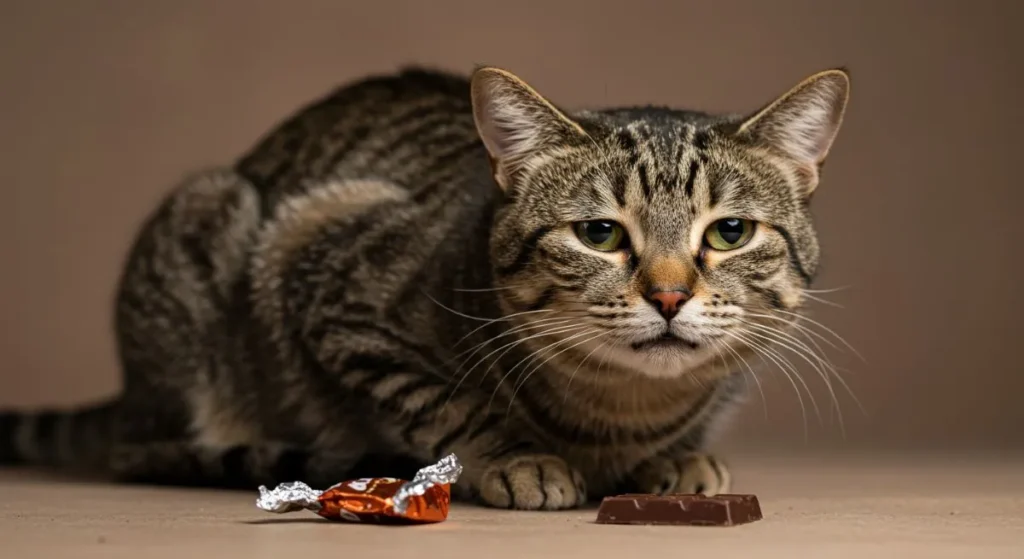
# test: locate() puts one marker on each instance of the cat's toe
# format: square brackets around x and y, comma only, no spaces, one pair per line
[693,473]
[657,476]
[703,473]
[534,482]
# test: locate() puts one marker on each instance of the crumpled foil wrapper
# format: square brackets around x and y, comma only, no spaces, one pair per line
[446,471]
[289,497]
[371,499]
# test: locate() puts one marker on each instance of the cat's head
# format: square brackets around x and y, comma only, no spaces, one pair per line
[655,238]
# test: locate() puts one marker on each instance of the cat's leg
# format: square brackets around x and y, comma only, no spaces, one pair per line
[686,466]
[683,467]
[687,472]
[532,482]
[505,469]
[503,466]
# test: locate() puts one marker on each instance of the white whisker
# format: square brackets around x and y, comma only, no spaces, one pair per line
[798,348]
[823,301]
[818,353]
[530,357]
[805,331]
[526,326]
[458,313]
[577,369]
[757,381]
[499,319]
[762,353]
[519,384]
[825,328]
[832,290]
[508,347]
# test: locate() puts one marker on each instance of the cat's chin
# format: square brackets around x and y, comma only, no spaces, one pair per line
[664,358]
[669,363]
[666,344]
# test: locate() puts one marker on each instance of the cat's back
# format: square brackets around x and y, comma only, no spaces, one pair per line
[413,128]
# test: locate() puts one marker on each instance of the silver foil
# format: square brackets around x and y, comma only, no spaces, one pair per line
[447,470]
[289,497]
[293,496]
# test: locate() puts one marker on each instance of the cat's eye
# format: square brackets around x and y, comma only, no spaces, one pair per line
[730,233]
[602,235]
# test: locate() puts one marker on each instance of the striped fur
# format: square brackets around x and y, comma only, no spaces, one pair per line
[391,275]
[68,438]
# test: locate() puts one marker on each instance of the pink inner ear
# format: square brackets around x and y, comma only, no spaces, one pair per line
[805,123]
[502,137]
[498,126]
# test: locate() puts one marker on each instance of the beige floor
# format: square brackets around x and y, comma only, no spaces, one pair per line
[950,506]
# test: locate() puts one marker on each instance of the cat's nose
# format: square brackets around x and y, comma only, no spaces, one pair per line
[668,302]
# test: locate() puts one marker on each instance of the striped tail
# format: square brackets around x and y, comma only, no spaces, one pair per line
[79,438]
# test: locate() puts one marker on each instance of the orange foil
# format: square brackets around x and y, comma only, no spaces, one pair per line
[372,500]
[424,499]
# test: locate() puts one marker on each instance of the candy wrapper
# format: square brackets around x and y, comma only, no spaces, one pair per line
[424,499]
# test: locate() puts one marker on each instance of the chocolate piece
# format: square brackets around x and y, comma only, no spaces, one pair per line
[679,510]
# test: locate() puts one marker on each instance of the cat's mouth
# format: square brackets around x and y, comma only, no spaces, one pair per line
[665,341]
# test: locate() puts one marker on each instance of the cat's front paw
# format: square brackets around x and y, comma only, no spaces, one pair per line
[692,473]
[532,482]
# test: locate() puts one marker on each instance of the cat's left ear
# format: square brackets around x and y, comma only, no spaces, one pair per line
[515,122]
[802,124]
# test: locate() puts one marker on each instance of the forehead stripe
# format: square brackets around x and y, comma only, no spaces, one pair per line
[694,167]
[645,180]
[700,140]
[619,190]
[628,144]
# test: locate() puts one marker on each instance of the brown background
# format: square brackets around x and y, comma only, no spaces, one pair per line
[105,104]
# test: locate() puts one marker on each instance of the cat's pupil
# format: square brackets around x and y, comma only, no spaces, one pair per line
[731,230]
[600,232]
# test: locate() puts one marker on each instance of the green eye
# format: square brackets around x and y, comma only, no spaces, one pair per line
[729,234]
[605,236]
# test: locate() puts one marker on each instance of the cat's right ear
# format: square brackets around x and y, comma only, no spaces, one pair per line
[515,122]
[802,124]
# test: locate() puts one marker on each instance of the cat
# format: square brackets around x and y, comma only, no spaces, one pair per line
[423,263]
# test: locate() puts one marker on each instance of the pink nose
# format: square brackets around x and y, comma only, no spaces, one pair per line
[668,303]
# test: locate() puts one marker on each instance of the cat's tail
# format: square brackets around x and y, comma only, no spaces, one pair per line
[79,438]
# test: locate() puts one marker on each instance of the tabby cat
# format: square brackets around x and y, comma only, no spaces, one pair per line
[422,263]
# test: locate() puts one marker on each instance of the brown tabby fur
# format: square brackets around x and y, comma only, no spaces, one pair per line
[392,275]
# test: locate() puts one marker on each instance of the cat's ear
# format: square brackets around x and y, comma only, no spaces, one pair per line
[515,122]
[802,124]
